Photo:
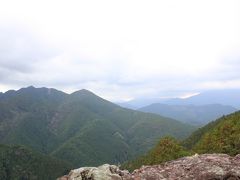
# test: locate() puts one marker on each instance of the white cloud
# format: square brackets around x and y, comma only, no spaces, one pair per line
[120,49]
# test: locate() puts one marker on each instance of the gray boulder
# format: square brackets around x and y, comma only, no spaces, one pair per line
[104,172]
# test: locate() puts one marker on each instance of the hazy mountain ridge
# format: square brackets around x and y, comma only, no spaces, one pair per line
[225,97]
[228,97]
[80,127]
[192,114]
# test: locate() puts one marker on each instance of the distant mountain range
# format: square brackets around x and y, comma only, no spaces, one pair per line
[192,114]
[225,97]
[141,102]
[81,127]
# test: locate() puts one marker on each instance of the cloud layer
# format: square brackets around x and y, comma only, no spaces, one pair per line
[121,50]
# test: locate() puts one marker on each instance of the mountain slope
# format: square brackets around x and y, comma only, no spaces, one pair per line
[18,162]
[166,149]
[192,114]
[113,134]
[25,117]
[223,138]
[220,136]
[117,141]
[81,127]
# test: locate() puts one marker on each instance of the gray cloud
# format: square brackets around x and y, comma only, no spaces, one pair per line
[21,52]
[20,49]
[164,53]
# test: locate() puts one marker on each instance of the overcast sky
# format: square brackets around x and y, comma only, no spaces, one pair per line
[121,49]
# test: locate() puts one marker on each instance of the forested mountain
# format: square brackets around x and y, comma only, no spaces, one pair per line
[80,127]
[192,114]
[194,138]
[166,149]
[18,163]
[220,136]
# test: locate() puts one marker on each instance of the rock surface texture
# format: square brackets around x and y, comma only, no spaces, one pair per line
[197,167]
[104,172]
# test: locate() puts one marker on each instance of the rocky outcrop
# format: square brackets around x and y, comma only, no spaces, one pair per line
[197,167]
[104,172]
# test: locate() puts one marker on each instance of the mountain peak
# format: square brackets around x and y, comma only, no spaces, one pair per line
[30,87]
[84,92]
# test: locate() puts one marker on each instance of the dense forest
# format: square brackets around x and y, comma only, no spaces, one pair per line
[219,136]
[18,162]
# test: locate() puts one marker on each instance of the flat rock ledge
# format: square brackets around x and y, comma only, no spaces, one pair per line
[197,167]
